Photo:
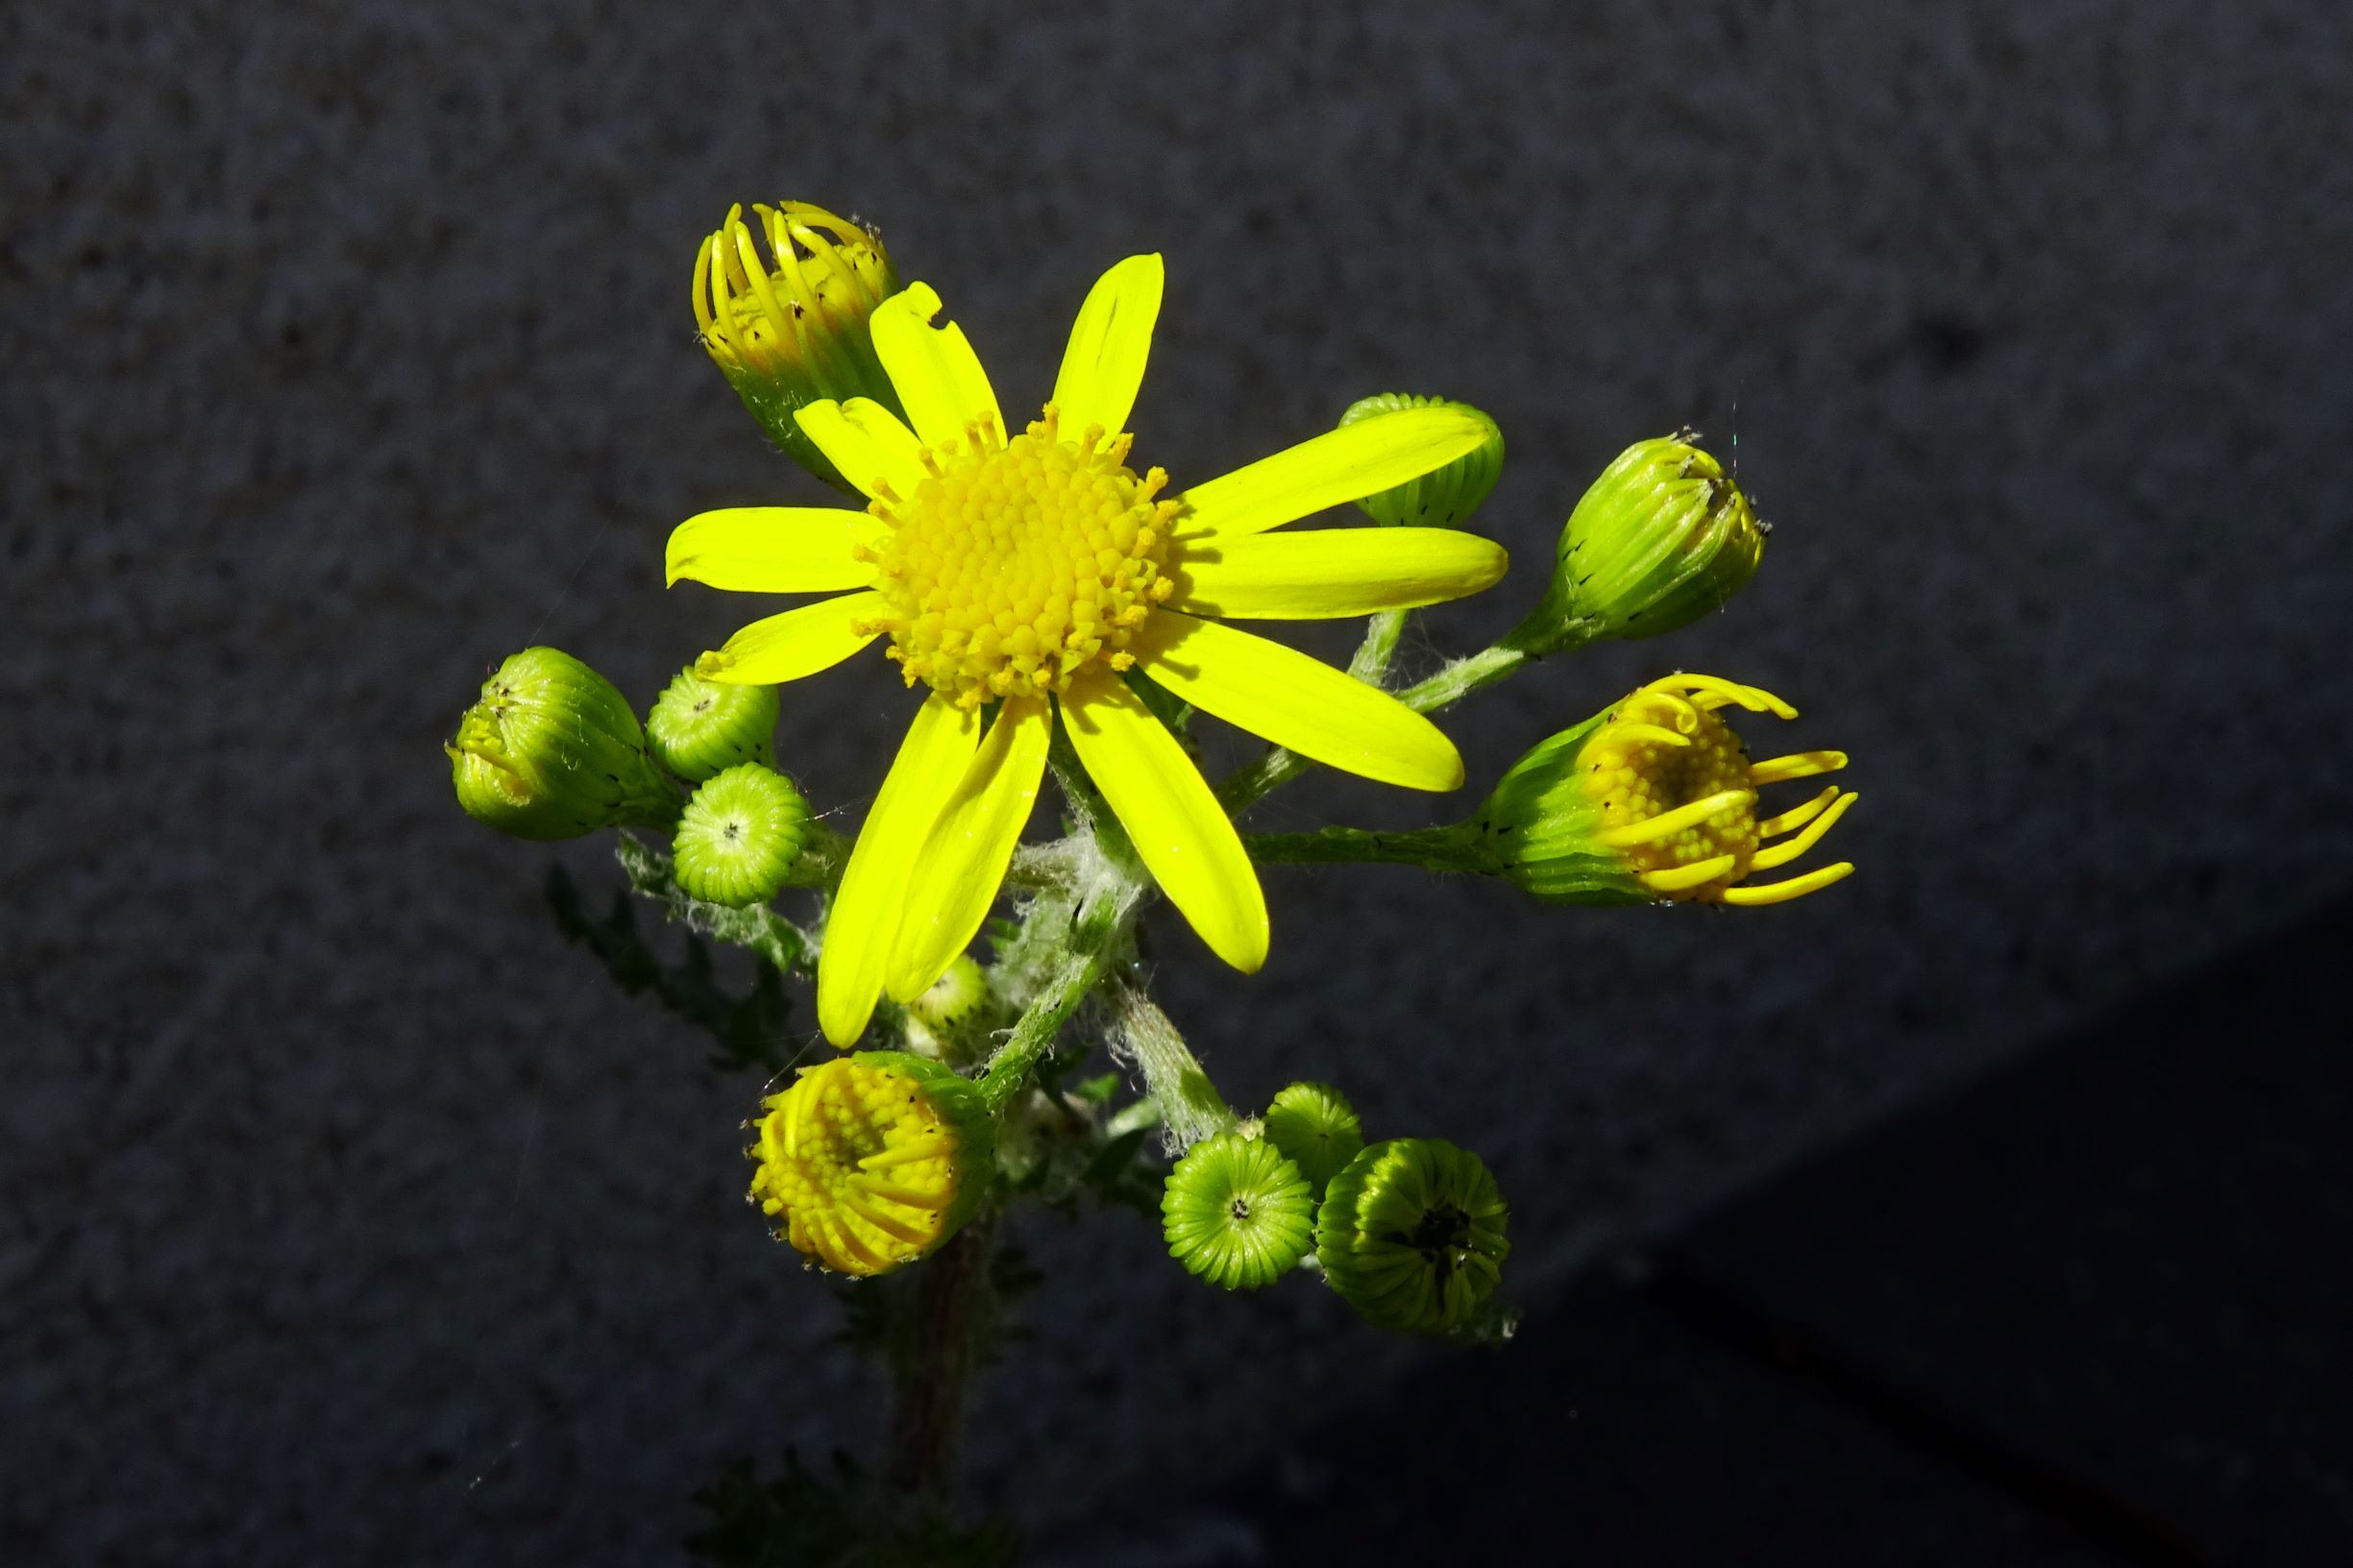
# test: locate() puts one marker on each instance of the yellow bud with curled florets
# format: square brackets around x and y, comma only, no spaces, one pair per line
[1655,799]
[869,1162]
[792,328]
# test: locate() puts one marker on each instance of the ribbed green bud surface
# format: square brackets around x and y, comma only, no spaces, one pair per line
[552,752]
[700,728]
[1538,828]
[1663,537]
[1445,496]
[740,835]
[1237,1212]
[1316,1128]
[1411,1235]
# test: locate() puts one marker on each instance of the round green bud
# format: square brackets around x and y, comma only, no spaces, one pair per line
[1237,1212]
[1411,1235]
[793,326]
[699,727]
[1315,1125]
[1444,498]
[955,1017]
[552,752]
[1663,537]
[739,836]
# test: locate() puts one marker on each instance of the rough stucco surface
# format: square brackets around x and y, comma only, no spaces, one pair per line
[346,1216]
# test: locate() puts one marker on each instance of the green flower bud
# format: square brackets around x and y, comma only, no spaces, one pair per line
[1317,1127]
[739,836]
[1411,1235]
[870,1161]
[954,1019]
[1655,799]
[1236,1213]
[1663,537]
[1443,498]
[552,752]
[792,329]
[699,727]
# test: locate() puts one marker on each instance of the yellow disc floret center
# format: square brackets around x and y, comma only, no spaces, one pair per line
[858,1163]
[1672,783]
[1016,563]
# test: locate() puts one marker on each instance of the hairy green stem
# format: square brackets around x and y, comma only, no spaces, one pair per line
[759,927]
[1190,1105]
[1437,849]
[1451,685]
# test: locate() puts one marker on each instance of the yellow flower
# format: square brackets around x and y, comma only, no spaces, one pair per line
[1656,799]
[869,1162]
[1030,572]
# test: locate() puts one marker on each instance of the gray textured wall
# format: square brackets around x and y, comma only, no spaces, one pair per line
[345,354]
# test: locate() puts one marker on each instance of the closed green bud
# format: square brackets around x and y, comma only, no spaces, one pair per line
[1315,1125]
[552,752]
[740,835]
[1411,1235]
[698,728]
[793,326]
[1663,537]
[1237,1212]
[1444,496]
[956,1018]
[1655,799]
[867,1161]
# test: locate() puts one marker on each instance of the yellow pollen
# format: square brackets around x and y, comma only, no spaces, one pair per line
[820,1144]
[1016,563]
[1678,798]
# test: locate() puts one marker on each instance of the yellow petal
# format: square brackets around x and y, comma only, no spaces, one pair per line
[963,864]
[864,923]
[1185,837]
[934,370]
[773,549]
[1340,465]
[797,643]
[867,441]
[1295,702]
[1323,572]
[1103,366]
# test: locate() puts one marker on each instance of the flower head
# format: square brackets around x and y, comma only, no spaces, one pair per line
[553,751]
[870,1161]
[1444,496]
[740,835]
[1028,576]
[1656,799]
[1237,1212]
[1663,537]
[1411,1233]
[791,328]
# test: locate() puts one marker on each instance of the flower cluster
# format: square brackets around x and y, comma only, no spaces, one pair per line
[1050,601]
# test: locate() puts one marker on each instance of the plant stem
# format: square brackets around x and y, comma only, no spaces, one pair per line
[1190,1105]
[1450,685]
[1438,848]
[932,1368]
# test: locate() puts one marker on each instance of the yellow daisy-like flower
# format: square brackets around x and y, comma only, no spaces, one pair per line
[1029,570]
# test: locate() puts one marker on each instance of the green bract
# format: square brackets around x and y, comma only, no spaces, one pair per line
[1444,496]
[1411,1235]
[1663,537]
[1236,1213]
[698,728]
[740,835]
[552,752]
